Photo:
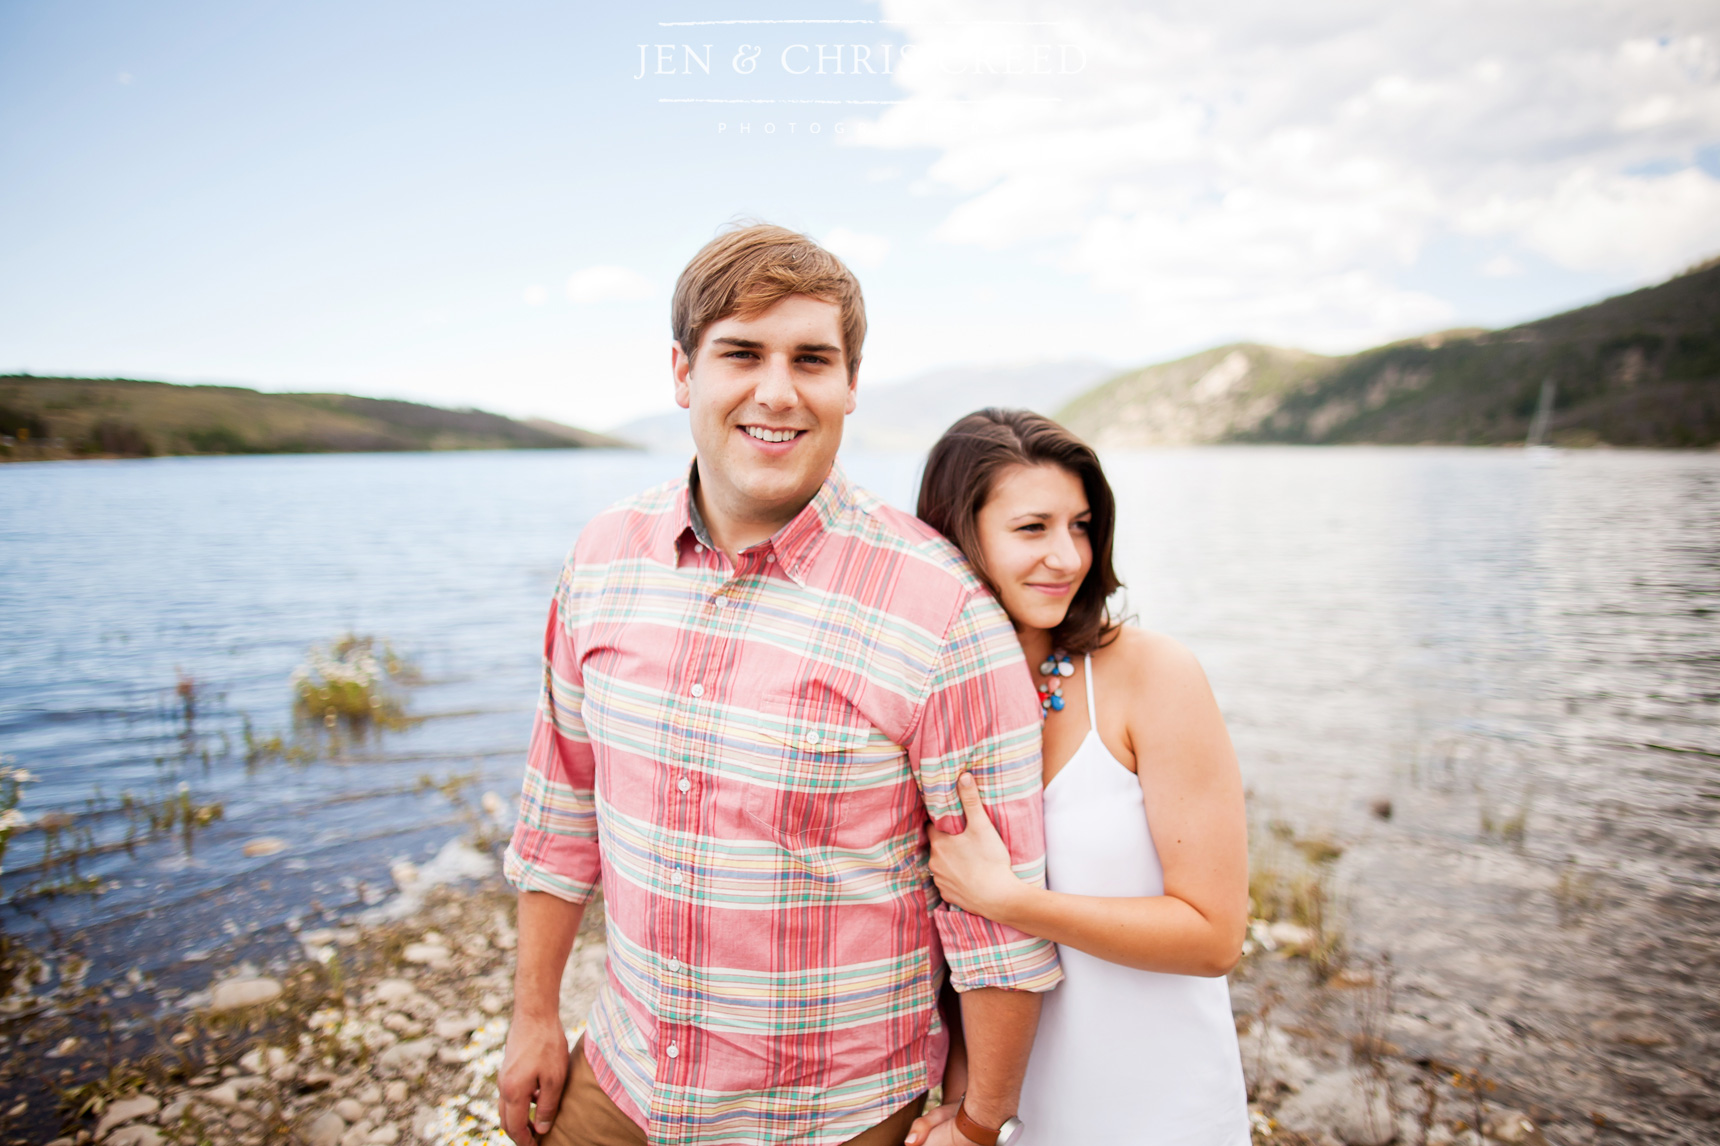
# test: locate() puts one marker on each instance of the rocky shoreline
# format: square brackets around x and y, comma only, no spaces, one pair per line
[390,1033]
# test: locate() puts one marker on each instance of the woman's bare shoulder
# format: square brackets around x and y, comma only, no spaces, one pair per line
[1146,658]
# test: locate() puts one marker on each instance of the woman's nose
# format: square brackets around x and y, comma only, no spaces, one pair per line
[1064,555]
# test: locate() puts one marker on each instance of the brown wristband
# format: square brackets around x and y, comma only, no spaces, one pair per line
[973,1131]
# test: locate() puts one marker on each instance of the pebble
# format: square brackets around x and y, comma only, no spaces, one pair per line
[426,954]
[236,994]
[127,1110]
[1291,936]
[396,1092]
[135,1135]
[1352,977]
[1514,1128]
[391,991]
[350,1109]
[1344,1104]
[370,1094]
[357,1135]
[407,1058]
[224,1094]
[264,846]
[455,1028]
[385,1135]
[325,1130]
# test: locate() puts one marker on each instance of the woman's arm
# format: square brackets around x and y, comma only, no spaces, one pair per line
[1198,823]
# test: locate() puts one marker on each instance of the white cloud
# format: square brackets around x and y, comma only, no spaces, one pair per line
[1589,221]
[608,284]
[535,295]
[855,247]
[1276,170]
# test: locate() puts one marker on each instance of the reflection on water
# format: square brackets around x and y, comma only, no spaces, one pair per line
[1523,656]
[1520,653]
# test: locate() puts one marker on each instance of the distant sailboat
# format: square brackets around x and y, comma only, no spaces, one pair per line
[1543,415]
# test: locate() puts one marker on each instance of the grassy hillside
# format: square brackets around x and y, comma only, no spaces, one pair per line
[1206,397]
[1642,369]
[45,418]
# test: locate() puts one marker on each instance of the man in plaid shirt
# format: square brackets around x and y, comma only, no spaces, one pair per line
[760,685]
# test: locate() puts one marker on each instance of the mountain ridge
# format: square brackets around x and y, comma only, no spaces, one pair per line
[1637,369]
[43,418]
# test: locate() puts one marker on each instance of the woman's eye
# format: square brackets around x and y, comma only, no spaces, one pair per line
[1082,526]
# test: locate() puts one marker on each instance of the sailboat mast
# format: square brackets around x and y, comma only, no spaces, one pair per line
[1543,414]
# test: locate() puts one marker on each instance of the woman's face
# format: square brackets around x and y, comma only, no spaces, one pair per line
[1033,539]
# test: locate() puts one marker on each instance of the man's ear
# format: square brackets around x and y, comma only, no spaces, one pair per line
[681,365]
[853,389]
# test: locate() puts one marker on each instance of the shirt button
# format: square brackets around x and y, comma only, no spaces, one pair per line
[697,690]
[672,1051]
[770,559]
[685,784]
[677,878]
[812,738]
[698,547]
[673,964]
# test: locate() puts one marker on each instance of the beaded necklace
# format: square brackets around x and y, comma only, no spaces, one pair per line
[1054,668]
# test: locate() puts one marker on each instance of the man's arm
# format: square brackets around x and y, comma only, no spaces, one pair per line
[999,1026]
[982,716]
[534,1065]
[553,860]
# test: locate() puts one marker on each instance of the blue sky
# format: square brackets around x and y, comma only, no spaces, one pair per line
[487,205]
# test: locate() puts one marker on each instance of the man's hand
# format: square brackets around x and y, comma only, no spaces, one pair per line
[534,1065]
[534,1070]
[972,869]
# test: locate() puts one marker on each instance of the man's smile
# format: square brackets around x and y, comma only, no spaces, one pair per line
[767,434]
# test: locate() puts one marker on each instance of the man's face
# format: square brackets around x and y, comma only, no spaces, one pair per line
[767,396]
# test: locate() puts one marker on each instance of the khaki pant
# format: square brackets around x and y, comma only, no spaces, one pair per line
[588,1117]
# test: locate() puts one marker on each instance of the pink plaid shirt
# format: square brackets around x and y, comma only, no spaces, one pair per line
[745,755]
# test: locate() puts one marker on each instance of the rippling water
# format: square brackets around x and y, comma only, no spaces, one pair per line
[1475,635]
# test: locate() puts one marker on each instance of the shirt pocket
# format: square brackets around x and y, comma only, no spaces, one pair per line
[806,793]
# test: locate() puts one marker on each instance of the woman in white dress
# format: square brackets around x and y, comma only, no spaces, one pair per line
[1146,839]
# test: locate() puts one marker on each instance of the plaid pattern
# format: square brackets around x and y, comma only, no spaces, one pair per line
[745,755]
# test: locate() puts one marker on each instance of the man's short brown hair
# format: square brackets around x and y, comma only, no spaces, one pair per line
[746,271]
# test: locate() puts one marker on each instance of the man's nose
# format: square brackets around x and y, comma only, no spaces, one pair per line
[775,389]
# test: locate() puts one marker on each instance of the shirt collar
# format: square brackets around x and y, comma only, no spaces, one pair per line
[794,545]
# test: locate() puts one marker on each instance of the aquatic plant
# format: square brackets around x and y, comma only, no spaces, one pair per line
[12,781]
[1291,905]
[1511,829]
[348,682]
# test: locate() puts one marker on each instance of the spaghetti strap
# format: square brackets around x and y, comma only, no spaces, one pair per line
[1092,709]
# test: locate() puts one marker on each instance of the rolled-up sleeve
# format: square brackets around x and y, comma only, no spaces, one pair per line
[981,715]
[554,846]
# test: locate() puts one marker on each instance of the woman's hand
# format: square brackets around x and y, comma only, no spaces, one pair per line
[921,1132]
[972,869]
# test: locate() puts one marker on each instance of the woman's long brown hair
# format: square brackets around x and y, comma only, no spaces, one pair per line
[960,472]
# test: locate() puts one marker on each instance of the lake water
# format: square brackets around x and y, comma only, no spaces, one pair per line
[1482,637]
